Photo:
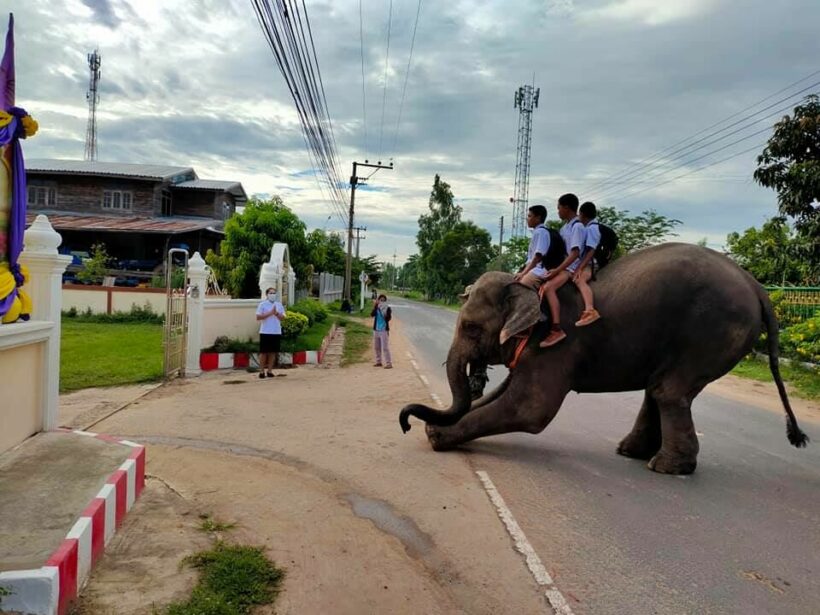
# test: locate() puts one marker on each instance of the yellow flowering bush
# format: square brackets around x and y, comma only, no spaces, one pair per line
[802,341]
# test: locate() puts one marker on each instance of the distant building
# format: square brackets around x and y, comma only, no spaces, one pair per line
[138,211]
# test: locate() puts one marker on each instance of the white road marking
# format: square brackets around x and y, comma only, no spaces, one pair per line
[554,597]
[424,380]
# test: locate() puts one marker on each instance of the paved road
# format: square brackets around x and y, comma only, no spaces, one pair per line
[741,535]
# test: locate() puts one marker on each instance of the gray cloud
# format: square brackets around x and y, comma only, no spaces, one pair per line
[196,83]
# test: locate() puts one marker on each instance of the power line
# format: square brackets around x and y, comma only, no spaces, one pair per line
[364,103]
[655,172]
[706,166]
[406,76]
[289,35]
[653,157]
[617,192]
[386,65]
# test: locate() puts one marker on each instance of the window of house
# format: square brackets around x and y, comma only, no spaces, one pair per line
[117,200]
[166,202]
[42,195]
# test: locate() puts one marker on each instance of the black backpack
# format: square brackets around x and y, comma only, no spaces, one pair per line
[556,253]
[606,248]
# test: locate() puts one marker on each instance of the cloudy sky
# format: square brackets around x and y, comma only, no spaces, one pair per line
[194,83]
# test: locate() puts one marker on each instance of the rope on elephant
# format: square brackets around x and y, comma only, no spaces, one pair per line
[519,348]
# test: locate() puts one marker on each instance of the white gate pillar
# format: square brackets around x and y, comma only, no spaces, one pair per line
[291,287]
[198,273]
[46,268]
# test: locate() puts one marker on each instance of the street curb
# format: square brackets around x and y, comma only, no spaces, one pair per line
[50,589]
[210,361]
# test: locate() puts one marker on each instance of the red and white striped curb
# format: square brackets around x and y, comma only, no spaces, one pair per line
[209,361]
[50,589]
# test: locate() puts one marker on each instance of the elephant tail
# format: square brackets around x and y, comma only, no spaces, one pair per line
[795,434]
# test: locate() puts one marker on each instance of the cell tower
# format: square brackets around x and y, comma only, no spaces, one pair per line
[93,97]
[526,99]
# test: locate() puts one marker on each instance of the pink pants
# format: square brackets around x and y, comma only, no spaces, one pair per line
[381,344]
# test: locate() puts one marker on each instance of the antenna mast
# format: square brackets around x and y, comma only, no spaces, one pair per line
[93,97]
[526,99]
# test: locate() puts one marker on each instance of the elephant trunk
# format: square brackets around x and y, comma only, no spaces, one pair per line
[462,399]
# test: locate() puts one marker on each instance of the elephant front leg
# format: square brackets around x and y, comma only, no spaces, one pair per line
[511,411]
[645,438]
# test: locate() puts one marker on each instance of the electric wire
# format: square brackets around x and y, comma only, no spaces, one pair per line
[386,66]
[364,99]
[406,77]
[636,167]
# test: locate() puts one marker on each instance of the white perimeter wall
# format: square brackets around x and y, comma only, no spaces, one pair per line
[234,318]
[97,298]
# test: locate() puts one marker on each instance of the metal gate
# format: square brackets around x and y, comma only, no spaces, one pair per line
[176,313]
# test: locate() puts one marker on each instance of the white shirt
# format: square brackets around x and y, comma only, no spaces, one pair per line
[593,237]
[271,325]
[539,244]
[574,235]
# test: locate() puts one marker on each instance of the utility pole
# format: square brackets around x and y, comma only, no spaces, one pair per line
[359,229]
[394,269]
[500,238]
[355,181]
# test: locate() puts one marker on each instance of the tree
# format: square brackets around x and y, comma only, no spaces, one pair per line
[635,232]
[326,252]
[249,237]
[458,259]
[790,164]
[96,267]
[443,216]
[774,254]
[512,256]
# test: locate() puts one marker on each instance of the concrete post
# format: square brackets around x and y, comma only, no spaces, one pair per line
[270,276]
[46,268]
[291,287]
[198,273]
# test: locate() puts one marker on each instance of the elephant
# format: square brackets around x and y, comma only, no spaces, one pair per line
[675,317]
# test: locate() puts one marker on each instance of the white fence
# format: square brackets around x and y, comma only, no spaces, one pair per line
[331,287]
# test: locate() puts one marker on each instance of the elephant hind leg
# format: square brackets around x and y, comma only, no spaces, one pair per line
[679,442]
[645,438]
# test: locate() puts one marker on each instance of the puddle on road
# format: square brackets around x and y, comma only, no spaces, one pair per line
[380,513]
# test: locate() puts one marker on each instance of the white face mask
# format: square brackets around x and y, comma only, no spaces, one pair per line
[382,301]
[272,297]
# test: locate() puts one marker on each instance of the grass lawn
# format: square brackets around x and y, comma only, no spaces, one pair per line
[804,382]
[99,355]
[311,339]
[358,338]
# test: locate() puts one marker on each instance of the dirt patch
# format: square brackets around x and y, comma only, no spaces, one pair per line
[763,395]
[140,570]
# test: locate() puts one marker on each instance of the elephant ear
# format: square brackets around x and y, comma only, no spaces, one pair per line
[466,294]
[522,310]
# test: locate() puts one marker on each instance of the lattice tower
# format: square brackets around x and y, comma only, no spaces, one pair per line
[526,100]
[93,97]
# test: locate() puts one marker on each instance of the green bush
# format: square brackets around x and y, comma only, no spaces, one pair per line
[315,311]
[294,324]
[227,344]
[136,314]
[802,341]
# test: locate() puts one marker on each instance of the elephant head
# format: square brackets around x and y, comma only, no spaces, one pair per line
[495,309]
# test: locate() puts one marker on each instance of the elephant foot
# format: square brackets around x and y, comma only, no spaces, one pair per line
[667,464]
[439,439]
[638,448]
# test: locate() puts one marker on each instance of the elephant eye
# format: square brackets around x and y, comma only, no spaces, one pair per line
[471,328]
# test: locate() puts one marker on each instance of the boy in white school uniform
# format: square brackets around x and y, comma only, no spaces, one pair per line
[269,313]
[587,214]
[532,273]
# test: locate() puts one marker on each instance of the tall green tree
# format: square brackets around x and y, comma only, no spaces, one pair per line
[249,237]
[774,254]
[635,232]
[513,255]
[442,217]
[790,164]
[457,259]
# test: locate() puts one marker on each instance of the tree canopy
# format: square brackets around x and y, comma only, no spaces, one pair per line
[774,254]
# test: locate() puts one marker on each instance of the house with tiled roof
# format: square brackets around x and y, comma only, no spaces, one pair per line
[137,210]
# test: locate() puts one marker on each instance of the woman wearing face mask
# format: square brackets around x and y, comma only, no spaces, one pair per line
[270,314]
[382,313]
